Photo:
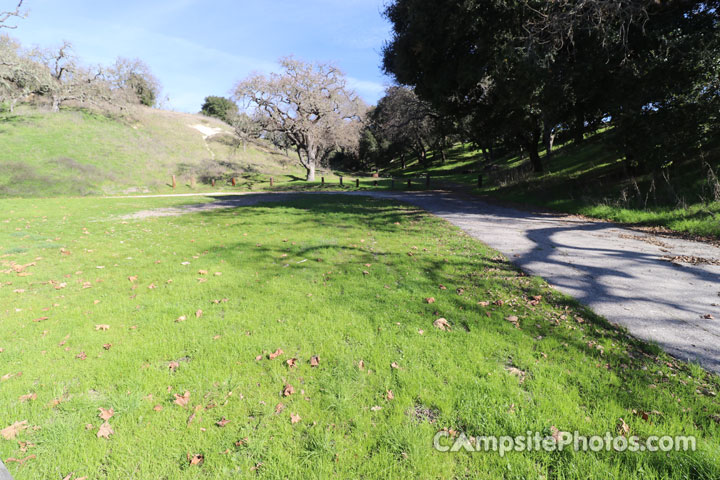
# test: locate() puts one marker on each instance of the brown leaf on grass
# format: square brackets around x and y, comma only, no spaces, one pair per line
[514,320]
[181,318]
[395,365]
[275,354]
[294,418]
[430,300]
[107,346]
[105,431]
[9,433]
[361,365]
[158,408]
[365,272]
[183,399]
[288,390]
[81,356]
[198,314]
[442,324]
[517,372]
[622,427]
[376,408]
[133,279]
[173,366]
[106,414]
[103,328]
[258,358]
[21,461]
[443,287]
[314,361]
[460,291]
[484,304]
[221,423]
[196,459]
[28,397]
[292,362]
[389,395]
[41,319]
[152,286]
[202,272]
[279,408]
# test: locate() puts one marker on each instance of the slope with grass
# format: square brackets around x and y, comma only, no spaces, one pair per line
[590,179]
[77,152]
[196,336]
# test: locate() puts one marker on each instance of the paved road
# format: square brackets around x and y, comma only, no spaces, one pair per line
[619,273]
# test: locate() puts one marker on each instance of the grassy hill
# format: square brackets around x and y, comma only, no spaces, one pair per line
[76,152]
[590,179]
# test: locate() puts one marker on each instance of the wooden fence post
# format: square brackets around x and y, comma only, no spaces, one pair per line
[213,182]
[341,184]
[271,181]
[233,181]
[322,180]
[192,182]
[357,183]
[174,183]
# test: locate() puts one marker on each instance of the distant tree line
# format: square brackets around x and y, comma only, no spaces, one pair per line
[55,77]
[518,73]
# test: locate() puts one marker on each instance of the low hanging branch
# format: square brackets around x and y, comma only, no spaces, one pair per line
[5,16]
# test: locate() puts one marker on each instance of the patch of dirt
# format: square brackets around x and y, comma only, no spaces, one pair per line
[421,413]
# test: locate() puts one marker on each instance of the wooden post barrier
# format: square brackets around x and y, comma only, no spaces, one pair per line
[213,182]
[192,182]
[357,183]
[233,181]
[322,180]
[174,183]
[341,184]
[271,181]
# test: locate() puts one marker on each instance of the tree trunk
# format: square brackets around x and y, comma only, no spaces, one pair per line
[310,172]
[579,130]
[531,145]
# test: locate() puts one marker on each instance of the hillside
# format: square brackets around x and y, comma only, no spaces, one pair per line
[591,179]
[76,152]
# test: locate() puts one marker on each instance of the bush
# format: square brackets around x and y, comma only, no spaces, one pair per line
[219,107]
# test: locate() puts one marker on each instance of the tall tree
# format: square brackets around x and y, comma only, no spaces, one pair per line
[310,104]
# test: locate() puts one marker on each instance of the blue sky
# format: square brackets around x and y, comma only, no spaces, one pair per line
[198,48]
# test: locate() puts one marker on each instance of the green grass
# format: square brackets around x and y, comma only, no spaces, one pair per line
[77,152]
[589,180]
[293,276]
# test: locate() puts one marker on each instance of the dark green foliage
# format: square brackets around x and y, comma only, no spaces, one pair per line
[219,107]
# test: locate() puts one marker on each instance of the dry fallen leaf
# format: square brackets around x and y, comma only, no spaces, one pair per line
[221,423]
[158,408]
[288,390]
[514,320]
[376,408]
[279,408]
[294,418]
[28,397]
[430,300]
[389,395]
[9,433]
[276,354]
[105,431]
[314,361]
[173,366]
[623,428]
[395,365]
[361,365]
[81,356]
[104,328]
[106,414]
[198,314]
[181,318]
[292,362]
[196,459]
[442,324]
[182,400]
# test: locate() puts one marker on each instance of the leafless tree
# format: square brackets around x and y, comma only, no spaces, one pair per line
[19,75]
[246,128]
[7,15]
[133,78]
[72,81]
[310,104]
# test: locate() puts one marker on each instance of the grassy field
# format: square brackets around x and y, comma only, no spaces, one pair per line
[297,341]
[76,152]
[590,180]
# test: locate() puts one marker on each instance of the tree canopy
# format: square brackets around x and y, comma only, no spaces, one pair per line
[310,104]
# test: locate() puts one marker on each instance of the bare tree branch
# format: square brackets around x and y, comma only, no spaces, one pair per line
[5,16]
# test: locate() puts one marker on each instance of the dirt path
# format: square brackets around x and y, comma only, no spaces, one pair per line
[664,290]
